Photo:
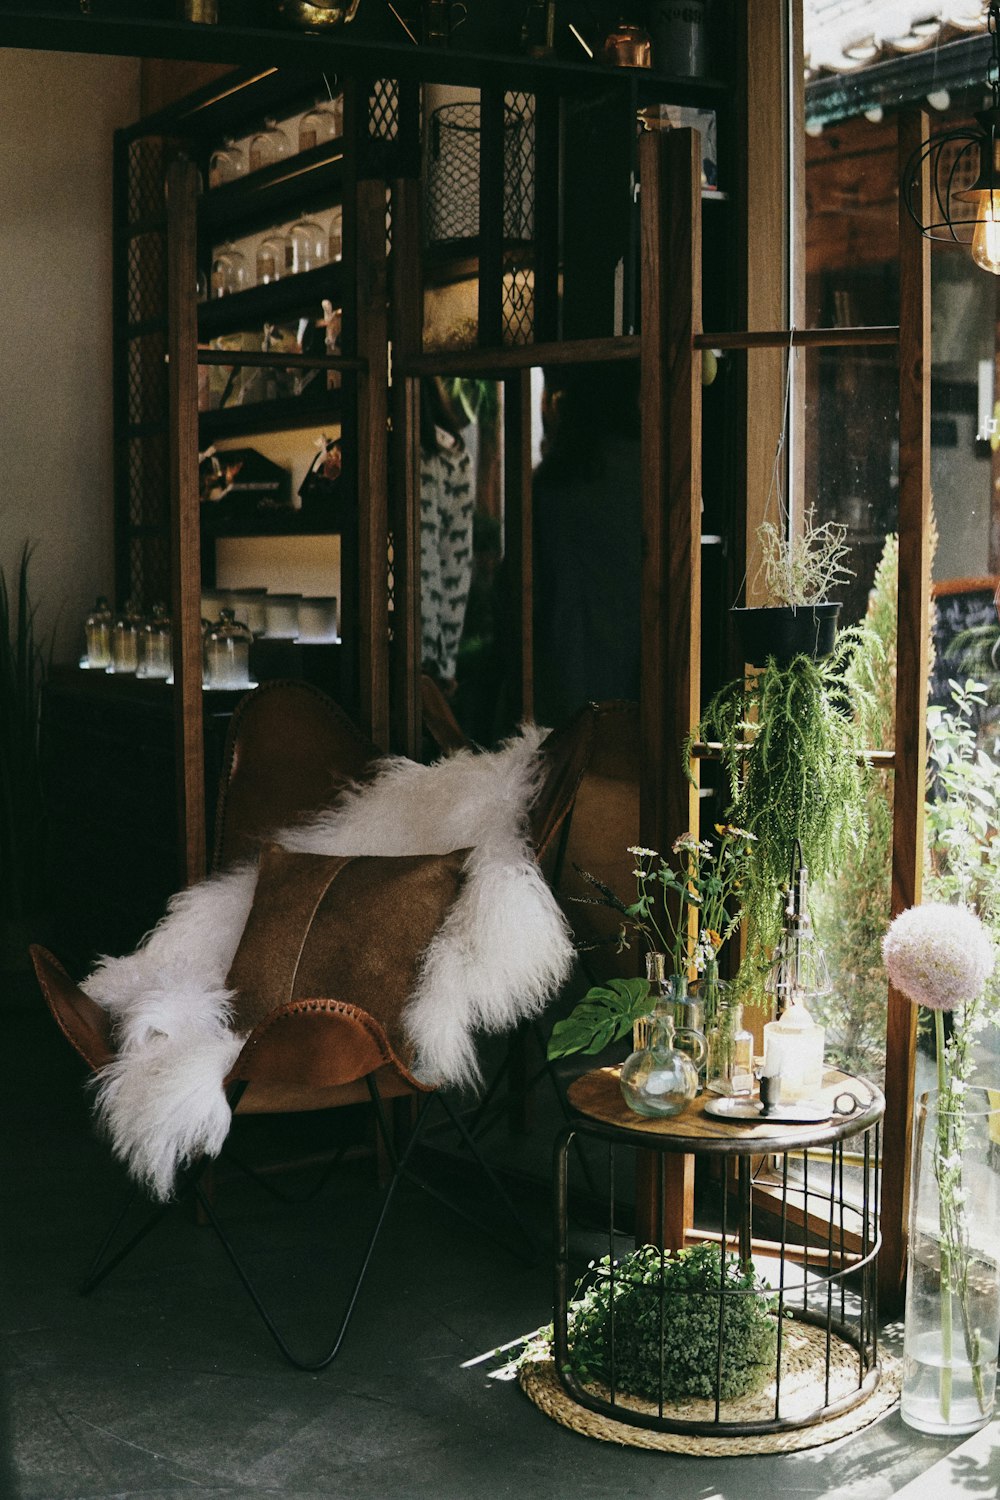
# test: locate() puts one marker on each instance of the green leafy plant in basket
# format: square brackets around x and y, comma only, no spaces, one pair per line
[791,746]
[664,1315]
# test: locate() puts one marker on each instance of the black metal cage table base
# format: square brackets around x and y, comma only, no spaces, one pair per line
[810,1337]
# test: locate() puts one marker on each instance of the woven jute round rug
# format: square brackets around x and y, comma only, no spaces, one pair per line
[803,1369]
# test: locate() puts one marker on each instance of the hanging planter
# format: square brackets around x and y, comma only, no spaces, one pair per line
[785,631]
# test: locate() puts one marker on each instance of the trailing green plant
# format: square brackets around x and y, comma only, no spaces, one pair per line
[806,568]
[664,1316]
[791,747]
[850,906]
[21,806]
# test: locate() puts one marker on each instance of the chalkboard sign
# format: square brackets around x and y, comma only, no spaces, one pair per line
[961,605]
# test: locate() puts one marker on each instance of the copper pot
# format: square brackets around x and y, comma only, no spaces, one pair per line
[318,15]
[628,46]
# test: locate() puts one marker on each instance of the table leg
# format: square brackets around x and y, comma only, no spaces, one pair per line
[664,1199]
[744,1209]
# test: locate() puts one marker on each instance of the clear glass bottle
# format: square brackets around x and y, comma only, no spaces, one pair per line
[230,272]
[97,634]
[309,245]
[227,653]
[324,122]
[659,1079]
[268,146]
[729,1070]
[154,653]
[335,237]
[274,257]
[227,163]
[125,640]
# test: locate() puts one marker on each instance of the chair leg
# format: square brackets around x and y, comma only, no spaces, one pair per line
[321,1363]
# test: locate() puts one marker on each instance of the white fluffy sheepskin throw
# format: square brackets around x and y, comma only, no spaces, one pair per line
[501,953]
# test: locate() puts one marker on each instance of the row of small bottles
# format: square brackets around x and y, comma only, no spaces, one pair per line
[303,246]
[273,142]
[129,642]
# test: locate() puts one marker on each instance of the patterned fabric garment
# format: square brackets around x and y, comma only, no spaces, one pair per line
[446,505]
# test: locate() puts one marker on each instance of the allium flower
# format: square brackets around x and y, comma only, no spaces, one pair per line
[938,955]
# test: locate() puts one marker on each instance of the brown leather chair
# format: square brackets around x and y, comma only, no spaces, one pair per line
[289,749]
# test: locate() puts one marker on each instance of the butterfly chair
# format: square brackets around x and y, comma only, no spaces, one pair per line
[289,750]
[604,822]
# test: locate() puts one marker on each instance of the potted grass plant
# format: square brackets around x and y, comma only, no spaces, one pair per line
[800,576]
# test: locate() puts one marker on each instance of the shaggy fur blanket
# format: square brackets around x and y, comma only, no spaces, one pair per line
[501,953]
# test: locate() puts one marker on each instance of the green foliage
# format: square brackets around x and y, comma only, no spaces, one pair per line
[851,907]
[21,831]
[791,747]
[604,1015]
[666,1325]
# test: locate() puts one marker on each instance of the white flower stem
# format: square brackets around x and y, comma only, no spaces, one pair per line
[943,1147]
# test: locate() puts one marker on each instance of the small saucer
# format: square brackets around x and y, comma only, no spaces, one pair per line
[723,1108]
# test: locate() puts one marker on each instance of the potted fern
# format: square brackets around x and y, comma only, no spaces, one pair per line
[789,735]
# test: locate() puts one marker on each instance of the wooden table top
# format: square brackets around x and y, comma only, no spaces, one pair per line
[597,1096]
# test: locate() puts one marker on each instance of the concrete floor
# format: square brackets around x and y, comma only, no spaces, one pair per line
[164,1383]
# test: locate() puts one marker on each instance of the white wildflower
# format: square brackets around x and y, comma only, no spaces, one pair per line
[938,955]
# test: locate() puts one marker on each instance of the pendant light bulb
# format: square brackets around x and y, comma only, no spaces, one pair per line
[986,239]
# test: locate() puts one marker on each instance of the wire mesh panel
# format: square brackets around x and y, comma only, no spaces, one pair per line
[453,171]
[146,176]
[731,1336]
[518,294]
[383,110]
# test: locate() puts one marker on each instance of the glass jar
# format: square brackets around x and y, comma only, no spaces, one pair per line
[309,245]
[250,605]
[230,272]
[97,634]
[318,619]
[324,122]
[729,1070]
[660,1080]
[268,146]
[125,640]
[283,616]
[227,163]
[335,237]
[227,653]
[154,655]
[274,257]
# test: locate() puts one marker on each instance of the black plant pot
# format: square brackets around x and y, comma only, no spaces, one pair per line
[783,632]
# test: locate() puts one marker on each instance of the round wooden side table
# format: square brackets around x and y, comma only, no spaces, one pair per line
[817,1181]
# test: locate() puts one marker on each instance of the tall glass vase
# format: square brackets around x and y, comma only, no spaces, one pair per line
[953,1265]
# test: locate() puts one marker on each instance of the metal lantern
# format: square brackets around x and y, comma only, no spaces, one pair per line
[963,211]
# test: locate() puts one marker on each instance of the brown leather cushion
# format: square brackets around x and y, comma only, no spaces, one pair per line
[351,928]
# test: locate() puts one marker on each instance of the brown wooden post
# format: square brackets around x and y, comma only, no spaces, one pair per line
[912,667]
[670,399]
[404,405]
[372,336]
[185,545]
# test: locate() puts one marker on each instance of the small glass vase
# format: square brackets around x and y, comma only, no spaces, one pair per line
[670,993]
[660,1080]
[729,1070]
[953,1272]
